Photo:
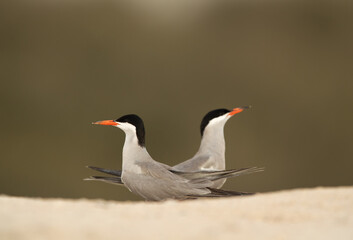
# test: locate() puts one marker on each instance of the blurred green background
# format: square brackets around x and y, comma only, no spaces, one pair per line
[65,64]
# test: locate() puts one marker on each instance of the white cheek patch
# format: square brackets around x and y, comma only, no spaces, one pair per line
[130,132]
[127,127]
[218,120]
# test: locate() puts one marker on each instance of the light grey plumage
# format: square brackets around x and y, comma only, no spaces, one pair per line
[211,153]
[153,180]
[194,176]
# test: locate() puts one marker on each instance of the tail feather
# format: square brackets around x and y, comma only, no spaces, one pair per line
[238,172]
[221,193]
[112,180]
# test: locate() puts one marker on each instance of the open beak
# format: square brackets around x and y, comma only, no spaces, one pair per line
[238,110]
[107,122]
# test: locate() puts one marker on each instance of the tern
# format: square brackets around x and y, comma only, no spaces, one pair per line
[210,155]
[155,181]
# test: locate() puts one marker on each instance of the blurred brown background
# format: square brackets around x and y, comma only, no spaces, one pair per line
[65,64]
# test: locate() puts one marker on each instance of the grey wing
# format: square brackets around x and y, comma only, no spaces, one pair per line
[158,170]
[165,174]
[156,182]
[194,164]
[216,175]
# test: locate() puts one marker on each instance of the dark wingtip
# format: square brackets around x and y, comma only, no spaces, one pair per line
[229,193]
[107,171]
[93,168]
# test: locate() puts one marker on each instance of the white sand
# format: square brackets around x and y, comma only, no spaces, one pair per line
[320,213]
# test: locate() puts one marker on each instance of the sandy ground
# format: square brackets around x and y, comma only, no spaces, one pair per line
[320,213]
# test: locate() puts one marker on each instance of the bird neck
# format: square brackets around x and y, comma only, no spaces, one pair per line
[213,142]
[133,152]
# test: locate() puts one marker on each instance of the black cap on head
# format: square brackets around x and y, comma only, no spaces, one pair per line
[138,123]
[211,115]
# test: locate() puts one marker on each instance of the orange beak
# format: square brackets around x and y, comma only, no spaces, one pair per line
[237,110]
[107,122]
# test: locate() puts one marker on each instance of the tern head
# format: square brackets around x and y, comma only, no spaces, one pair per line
[219,117]
[130,124]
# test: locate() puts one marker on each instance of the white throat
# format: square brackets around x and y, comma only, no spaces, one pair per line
[132,151]
[212,141]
